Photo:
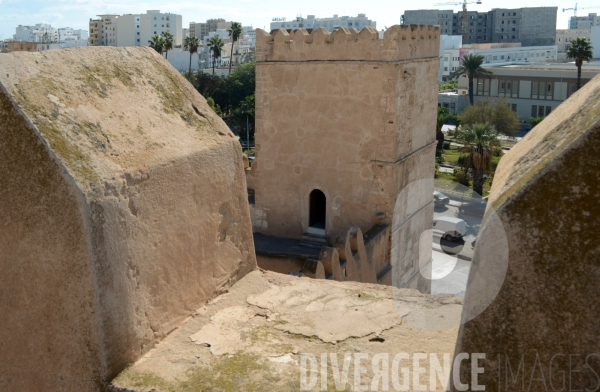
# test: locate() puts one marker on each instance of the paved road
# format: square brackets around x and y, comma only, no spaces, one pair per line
[464,247]
[452,259]
[449,274]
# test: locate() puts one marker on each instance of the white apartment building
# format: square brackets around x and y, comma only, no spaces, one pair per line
[134,29]
[584,22]
[497,55]
[448,42]
[564,37]
[138,29]
[249,36]
[103,31]
[45,33]
[311,22]
[41,32]
[70,37]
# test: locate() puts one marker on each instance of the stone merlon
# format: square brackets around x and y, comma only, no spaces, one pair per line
[399,43]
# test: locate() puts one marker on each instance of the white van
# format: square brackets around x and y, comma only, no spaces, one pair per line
[450,228]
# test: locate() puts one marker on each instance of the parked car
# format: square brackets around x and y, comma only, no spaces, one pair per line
[439,199]
[477,208]
[450,229]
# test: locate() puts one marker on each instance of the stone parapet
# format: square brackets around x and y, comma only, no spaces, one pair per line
[398,43]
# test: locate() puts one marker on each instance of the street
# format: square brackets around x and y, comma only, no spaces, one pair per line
[452,259]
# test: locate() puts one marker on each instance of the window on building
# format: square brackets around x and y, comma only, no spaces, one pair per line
[534,110]
[514,29]
[540,111]
[548,110]
[514,107]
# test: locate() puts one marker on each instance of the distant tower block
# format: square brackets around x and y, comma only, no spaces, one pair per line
[344,121]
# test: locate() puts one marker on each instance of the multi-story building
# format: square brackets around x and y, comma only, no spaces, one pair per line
[448,42]
[138,29]
[311,22]
[584,22]
[533,90]
[249,35]
[134,29]
[103,31]
[497,54]
[45,33]
[595,38]
[41,32]
[564,37]
[201,30]
[529,26]
[69,37]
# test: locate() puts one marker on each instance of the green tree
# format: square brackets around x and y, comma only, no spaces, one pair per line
[533,121]
[478,142]
[211,103]
[168,39]
[493,110]
[157,43]
[240,84]
[470,66]
[215,45]
[235,32]
[580,50]
[443,117]
[449,85]
[191,44]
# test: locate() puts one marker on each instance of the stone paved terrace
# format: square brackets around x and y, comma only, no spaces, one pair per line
[252,337]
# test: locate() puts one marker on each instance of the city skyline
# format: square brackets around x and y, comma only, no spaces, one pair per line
[76,13]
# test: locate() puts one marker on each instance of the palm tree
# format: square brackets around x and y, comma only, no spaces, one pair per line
[168,38]
[215,44]
[191,44]
[234,32]
[580,50]
[157,43]
[478,141]
[471,67]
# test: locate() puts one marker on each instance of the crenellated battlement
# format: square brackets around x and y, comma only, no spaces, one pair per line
[398,43]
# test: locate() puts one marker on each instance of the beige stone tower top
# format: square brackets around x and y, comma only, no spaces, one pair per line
[398,43]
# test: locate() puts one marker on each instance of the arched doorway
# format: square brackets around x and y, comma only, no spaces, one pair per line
[317,209]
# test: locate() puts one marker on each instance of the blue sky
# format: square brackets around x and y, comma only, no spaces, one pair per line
[76,13]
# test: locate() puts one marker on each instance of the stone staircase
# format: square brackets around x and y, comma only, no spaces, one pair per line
[314,241]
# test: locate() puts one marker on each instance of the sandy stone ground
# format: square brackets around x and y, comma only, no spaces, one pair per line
[256,337]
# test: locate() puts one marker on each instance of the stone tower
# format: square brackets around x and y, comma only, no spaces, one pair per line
[344,121]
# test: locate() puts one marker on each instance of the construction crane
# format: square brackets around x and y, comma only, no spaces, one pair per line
[575,9]
[464,18]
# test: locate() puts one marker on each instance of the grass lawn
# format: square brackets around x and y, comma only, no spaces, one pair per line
[451,155]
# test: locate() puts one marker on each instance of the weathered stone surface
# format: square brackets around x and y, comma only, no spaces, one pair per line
[252,338]
[545,316]
[123,206]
